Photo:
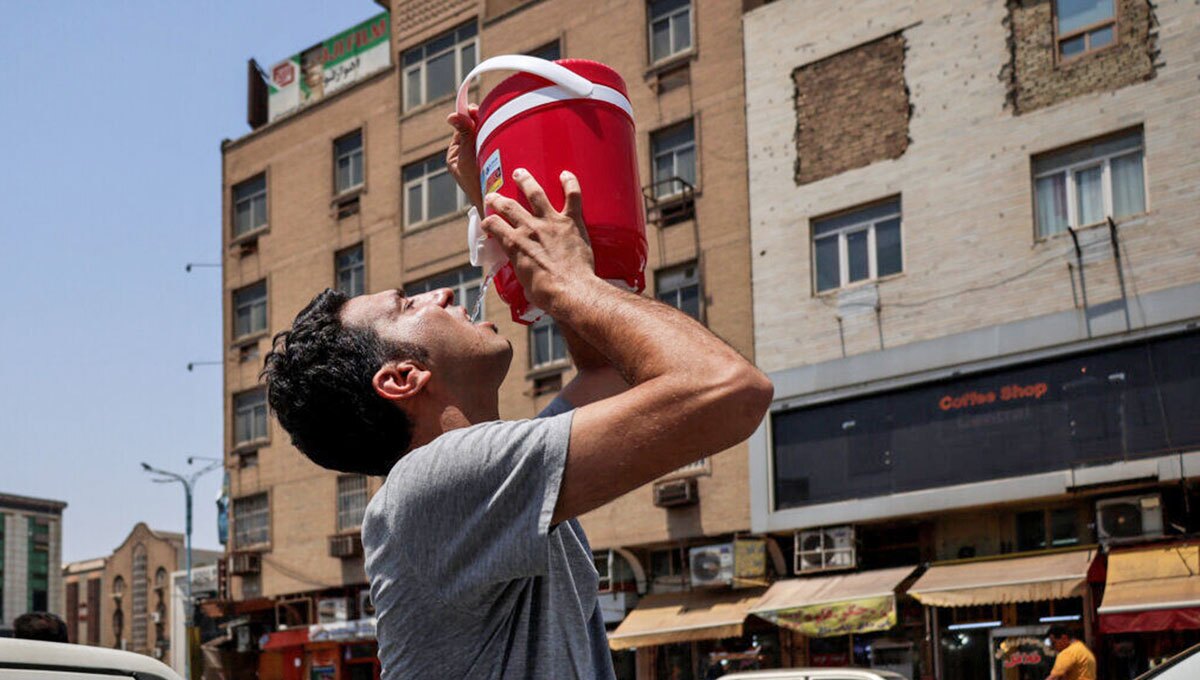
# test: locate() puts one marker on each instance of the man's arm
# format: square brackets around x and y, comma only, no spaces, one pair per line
[691,395]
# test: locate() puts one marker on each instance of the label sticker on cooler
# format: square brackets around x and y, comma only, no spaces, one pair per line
[491,177]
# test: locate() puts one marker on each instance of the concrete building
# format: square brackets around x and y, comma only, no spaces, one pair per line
[84,584]
[30,550]
[975,275]
[347,188]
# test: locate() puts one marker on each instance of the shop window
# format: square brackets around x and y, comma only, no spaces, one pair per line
[860,245]
[675,661]
[1088,183]
[434,69]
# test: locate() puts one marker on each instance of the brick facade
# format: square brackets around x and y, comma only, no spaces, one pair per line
[851,109]
[1039,78]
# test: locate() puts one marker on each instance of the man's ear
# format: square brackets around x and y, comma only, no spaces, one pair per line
[398,381]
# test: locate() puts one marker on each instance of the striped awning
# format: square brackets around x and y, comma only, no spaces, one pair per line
[682,617]
[1050,576]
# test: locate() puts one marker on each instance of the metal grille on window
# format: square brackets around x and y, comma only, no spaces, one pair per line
[140,597]
[351,271]
[249,417]
[348,162]
[251,521]
[351,500]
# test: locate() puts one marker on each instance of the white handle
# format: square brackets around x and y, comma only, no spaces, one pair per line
[562,76]
[485,252]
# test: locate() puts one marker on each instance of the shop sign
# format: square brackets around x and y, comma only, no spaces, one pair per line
[358,629]
[323,69]
[868,615]
[749,562]
[1023,652]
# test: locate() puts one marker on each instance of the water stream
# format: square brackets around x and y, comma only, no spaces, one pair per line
[478,308]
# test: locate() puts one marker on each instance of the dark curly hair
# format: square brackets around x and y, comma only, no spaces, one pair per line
[318,377]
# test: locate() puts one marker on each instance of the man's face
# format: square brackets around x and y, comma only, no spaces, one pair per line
[457,348]
[1060,643]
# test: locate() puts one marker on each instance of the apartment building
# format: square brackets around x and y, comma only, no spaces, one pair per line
[84,584]
[341,183]
[976,289]
[30,550]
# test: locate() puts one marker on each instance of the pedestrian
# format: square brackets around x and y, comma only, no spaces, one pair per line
[40,626]
[1074,661]
[478,567]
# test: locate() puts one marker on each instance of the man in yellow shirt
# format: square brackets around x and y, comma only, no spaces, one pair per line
[1074,661]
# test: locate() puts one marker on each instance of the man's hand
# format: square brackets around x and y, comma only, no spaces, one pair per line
[548,249]
[460,155]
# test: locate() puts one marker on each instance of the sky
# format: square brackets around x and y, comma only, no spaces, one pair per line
[111,119]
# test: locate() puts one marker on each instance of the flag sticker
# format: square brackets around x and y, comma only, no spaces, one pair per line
[491,178]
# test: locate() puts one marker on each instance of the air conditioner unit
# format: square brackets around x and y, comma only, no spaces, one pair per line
[333,610]
[345,545]
[604,569]
[244,563]
[711,565]
[825,549]
[1129,518]
[366,608]
[675,493]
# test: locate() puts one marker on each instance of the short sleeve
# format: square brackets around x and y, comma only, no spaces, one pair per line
[472,510]
[1063,662]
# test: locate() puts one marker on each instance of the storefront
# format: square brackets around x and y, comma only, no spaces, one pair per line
[335,651]
[696,634]
[848,619]
[989,617]
[1151,607]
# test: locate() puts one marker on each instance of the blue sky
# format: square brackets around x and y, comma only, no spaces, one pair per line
[112,115]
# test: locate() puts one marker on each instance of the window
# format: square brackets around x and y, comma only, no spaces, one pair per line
[670,28]
[434,69]
[466,282]
[118,587]
[249,417]
[668,565]
[251,521]
[680,288]
[1083,185]
[1060,525]
[1083,25]
[137,627]
[546,344]
[250,310]
[160,578]
[857,246]
[250,205]
[674,152]
[351,501]
[549,52]
[350,270]
[348,162]
[430,191]
[39,564]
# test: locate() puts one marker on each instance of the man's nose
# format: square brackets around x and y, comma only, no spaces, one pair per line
[444,297]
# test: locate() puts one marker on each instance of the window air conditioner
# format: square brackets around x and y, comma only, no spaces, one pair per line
[711,565]
[345,545]
[675,493]
[332,609]
[1129,518]
[366,609]
[825,549]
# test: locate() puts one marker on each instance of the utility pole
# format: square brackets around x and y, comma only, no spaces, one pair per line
[188,482]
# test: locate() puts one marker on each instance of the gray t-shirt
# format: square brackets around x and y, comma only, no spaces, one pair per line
[468,578]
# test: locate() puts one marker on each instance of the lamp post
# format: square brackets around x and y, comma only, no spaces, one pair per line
[188,482]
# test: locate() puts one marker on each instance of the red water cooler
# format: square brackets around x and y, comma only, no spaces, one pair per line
[572,114]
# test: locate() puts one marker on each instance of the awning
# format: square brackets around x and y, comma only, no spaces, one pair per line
[1149,590]
[1051,576]
[682,617]
[834,605]
[292,637]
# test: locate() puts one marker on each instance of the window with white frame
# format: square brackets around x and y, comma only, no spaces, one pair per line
[430,191]
[858,245]
[434,68]
[680,288]
[466,282]
[1083,25]
[351,501]
[250,205]
[670,28]
[674,158]
[348,162]
[249,417]
[250,310]
[1086,184]
[350,270]
[251,521]
[546,343]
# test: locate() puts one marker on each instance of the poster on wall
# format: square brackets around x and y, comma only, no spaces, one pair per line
[323,69]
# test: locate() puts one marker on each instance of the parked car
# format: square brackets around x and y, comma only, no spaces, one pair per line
[1183,666]
[815,674]
[36,660]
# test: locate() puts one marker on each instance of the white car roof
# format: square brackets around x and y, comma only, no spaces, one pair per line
[64,657]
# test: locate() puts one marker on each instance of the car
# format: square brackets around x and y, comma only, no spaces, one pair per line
[37,660]
[815,674]
[1183,666]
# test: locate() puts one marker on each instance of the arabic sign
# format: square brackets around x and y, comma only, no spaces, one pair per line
[1021,648]
[867,615]
[358,629]
[749,562]
[323,69]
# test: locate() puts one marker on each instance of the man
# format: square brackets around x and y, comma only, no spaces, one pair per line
[1074,660]
[478,567]
[40,626]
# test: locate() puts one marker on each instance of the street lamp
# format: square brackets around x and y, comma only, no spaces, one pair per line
[188,482]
